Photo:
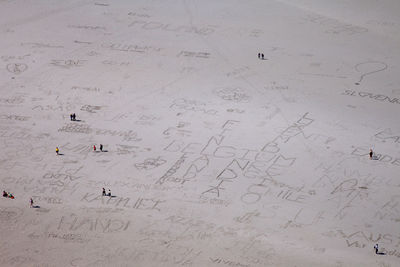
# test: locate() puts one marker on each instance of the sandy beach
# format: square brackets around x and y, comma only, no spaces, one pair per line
[232,133]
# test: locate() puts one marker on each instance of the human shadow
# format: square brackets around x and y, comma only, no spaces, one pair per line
[36,207]
[381,253]
[60,154]
[104,150]
[110,196]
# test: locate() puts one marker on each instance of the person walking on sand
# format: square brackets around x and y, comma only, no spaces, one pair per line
[104,191]
[376,248]
[31,202]
[371,153]
[57,150]
[94,148]
[109,192]
[71,116]
[101,147]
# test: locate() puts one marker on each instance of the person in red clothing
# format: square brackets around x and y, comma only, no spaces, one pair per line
[94,148]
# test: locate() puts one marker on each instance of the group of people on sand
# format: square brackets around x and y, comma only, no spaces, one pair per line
[101,148]
[6,194]
[94,149]
[106,194]
[73,118]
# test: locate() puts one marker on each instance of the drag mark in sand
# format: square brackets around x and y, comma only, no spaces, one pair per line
[378,97]
[234,94]
[387,136]
[150,163]
[103,225]
[87,27]
[85,129]
[14,117]
[67,63]
[138,203]
[334,26]
[131,48]
[266,172]
[192,105]
[172,170]
[194,54]
[41,45]
[155,25]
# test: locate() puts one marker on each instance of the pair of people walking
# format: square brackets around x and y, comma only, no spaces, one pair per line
[73,117]
[101,148]
[104,192]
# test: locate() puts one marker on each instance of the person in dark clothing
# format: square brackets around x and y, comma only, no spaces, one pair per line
[101,147]
[104,191]
[371,153]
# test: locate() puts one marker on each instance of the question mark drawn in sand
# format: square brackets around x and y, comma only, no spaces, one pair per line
[375,66]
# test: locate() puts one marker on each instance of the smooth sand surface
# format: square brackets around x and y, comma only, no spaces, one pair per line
[213,156]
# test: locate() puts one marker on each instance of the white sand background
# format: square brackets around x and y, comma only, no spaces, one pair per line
[213,156]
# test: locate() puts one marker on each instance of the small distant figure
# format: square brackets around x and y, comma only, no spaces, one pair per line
[376,248]
[101,147]
[57,150]
[5,194]
[104,191]
[71,116]
[259,55]
[31,202]
[74,117]
[371,153]
[109,193]
[10,195]
[262,56]
[94,148]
